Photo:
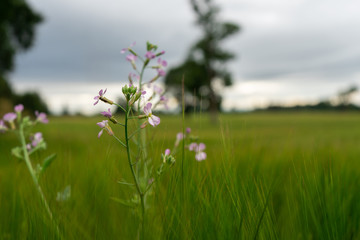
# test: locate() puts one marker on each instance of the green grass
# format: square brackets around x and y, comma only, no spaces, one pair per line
[267,176]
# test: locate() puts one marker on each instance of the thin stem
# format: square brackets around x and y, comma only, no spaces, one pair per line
[134,133]
[120,107]
[142,231]
[123,144]
[33,175]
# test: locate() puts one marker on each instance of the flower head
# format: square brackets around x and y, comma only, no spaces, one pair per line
[36,139]
[150,55]
[97,98]
[104,125]
[9,117]
[41,117]
[19,108]
[153,120]
[126,49]
[3,128]
[132,58]
[164,100]
[200,155]
[188,130]
[167,152]
[162,63]
[158,89]
[107,114]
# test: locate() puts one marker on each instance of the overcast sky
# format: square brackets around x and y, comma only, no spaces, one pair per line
[293,51]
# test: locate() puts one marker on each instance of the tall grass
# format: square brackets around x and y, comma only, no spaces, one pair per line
[267,176]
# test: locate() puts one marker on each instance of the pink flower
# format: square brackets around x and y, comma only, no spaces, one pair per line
[162,63]
[97,98]
[41,117]
[153,120]
[107,114]
[179,137]
[200,156]
[199,150]
[192,146]
[167,152]
[158,89]
[9,117]
[150,55]
[36,139]
[132,58]
[161,72]
[104,125]
[126,49]
[3,128]
[164,100]
[19,108]
[188,130]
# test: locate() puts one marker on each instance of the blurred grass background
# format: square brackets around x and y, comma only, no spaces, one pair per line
[267,176]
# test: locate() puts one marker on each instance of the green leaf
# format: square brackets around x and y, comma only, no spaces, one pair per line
[17,152]
[47,162]
[123,202]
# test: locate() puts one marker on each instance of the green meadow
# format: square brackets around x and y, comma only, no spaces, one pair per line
[266,176]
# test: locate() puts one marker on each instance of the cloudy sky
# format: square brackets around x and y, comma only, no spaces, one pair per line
[290,52]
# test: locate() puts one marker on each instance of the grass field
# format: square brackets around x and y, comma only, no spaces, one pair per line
[267,176]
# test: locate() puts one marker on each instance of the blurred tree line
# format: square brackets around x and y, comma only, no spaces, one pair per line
[206,61]
[17,33]
[343,101]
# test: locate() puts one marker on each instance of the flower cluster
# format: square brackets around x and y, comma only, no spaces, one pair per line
[200,155]
[8,121]
[136,94]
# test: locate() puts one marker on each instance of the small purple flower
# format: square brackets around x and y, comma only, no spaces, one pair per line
[153,120]
[188,130]
[28,146]
[179,137]
[97,98]
[167,152]
[36,139]
[19,108]
[200,156]
[107,114]
[101,124]
[132,58]
[164,100]
[158,89]
[162,63]
[192,146]
[3,128]
[41,117]
[150,55]
[104,125]
[9,117]
[161,72]
[126,49]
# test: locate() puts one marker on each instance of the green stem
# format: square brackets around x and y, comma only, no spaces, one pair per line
[141,194]
[33,175]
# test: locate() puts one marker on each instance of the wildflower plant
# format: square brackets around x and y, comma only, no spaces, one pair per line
[140,109]
[30,143]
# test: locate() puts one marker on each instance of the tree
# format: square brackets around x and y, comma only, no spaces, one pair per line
[17,33]
[344,97]
[206,60]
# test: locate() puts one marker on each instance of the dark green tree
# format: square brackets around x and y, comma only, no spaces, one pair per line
[17,33]
[206,60]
